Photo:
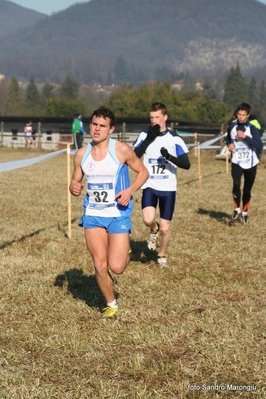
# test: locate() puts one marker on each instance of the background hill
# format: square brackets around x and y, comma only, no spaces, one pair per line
[14,17]
[123,40]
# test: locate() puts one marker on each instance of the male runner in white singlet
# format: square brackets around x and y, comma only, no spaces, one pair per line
[108,203]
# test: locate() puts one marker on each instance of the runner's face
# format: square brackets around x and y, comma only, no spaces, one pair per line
[100,128]
[242,116]
[157,118]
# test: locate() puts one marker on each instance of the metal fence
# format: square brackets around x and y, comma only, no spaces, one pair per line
[52,136]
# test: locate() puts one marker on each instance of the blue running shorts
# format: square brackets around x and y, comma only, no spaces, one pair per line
[150,197]
[113,225]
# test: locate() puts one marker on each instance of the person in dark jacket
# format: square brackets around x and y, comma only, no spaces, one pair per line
[243,141]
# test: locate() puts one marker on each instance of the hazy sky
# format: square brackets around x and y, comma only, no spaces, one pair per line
[48,6]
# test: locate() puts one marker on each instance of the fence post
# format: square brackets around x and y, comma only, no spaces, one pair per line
[222,138]
[68,192]
[2,133]
[39,135]
[124,132]
[199,165]
[196,143]
[54,147]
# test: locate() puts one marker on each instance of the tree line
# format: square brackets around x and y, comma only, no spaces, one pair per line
[207,104]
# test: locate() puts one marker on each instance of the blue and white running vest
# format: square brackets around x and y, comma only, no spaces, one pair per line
[243,154]
[104,179]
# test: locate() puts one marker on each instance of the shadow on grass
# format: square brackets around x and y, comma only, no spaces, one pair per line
[62,228]
[219,216]
[82,287]
[85,288]
[34,233]
[23,238]
[140,252]
[203,177]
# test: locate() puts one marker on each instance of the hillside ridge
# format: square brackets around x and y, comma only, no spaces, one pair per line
[94,41]
[14,17]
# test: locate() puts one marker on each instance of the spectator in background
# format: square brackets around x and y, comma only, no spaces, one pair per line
[28,131]
[254,121]
[80,134]
[76,129]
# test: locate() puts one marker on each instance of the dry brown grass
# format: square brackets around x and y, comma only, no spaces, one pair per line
[201,321]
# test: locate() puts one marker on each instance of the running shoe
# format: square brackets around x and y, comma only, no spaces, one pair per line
[162,261]
[109,312]
[235,216]
[152,240]
[245,219]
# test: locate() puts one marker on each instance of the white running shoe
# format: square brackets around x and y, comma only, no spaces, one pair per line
[162,261]
[245,219]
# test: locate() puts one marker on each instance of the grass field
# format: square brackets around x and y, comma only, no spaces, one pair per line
[194,330]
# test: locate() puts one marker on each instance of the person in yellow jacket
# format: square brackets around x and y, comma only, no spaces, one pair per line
[254,121]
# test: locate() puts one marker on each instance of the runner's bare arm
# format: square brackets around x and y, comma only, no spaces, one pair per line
[128,156]
[76,184]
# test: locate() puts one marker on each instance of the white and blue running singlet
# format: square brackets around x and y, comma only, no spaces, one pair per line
[104,179]
[162,172]
[243,155]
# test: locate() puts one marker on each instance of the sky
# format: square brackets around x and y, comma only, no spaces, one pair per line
[48,6]
[51,6]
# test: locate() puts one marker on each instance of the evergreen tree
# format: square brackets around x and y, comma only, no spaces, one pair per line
[46,93]
[32,98]
[235,88]
[253,95]
[47,90]
[14,99]
[208,88]
[262,103]
[262,96]
[69,88]
[3,96]
[120,71]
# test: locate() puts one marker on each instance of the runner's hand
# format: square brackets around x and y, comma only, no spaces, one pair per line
[165,153]
[153,132]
